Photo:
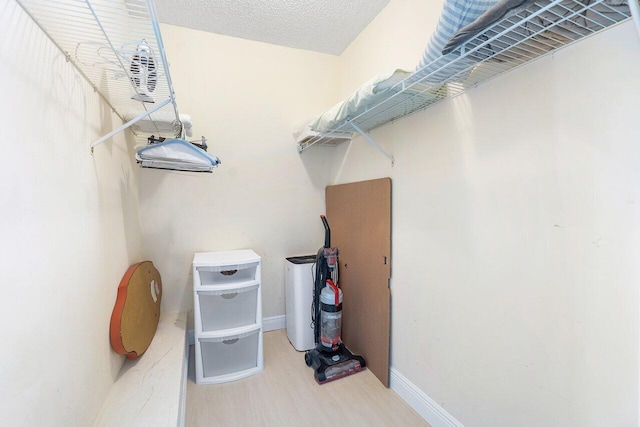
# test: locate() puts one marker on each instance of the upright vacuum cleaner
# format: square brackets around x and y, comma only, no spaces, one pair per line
[330,359]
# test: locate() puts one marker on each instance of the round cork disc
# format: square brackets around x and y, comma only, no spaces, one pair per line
[137,310]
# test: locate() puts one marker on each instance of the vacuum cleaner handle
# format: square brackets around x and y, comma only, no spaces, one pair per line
[327,232]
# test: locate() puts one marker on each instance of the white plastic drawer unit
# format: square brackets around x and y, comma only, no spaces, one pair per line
[230,357]
[227,292]
[228,308]
[225,274]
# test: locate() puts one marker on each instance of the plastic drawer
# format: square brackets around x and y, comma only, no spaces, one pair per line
[226,309]
[230,354]
[222,275]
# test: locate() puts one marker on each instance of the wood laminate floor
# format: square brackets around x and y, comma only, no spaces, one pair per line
[285,394]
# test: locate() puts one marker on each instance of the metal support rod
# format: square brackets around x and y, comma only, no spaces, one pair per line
[163,57]
[372,142]
[130,122]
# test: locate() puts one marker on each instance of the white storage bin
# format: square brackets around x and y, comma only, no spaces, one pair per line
[229,355]
[298,290]
[221,275]
[228,315]
[226,309]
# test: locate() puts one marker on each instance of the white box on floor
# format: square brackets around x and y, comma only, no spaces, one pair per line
[298,279]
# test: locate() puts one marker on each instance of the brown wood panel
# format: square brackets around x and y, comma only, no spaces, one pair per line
[359,215]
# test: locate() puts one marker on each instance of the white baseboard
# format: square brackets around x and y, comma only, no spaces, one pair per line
[426,407]
[274,323]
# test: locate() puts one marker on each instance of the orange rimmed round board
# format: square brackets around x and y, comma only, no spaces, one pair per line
[137,310]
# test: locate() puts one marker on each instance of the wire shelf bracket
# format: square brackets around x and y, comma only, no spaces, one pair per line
[129,123]
[370,140]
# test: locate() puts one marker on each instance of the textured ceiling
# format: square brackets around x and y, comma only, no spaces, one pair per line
[321,25]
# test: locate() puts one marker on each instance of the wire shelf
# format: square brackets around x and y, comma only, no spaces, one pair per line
[116,45]
[543,27]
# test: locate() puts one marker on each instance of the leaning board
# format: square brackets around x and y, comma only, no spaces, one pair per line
[137,310]
[359,216]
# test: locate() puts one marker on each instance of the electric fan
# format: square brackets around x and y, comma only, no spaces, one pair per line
[143,73]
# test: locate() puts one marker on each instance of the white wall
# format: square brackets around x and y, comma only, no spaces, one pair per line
[394,39]
[515,233]
[245,97]
[69,229]
[515,236]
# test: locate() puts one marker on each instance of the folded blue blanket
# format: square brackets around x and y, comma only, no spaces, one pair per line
[455,15]
[501,10]
[572,18]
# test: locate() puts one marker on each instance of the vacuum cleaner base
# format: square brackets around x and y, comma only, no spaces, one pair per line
[330,366]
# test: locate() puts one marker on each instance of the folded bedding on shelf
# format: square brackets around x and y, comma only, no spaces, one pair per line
[455,15]
[303,133]
[425,83]
[557,25]
[501,10]
[584,22]
[498,35]
[158,123]
[369,94]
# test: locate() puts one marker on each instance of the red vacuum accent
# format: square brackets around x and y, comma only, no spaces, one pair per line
[335,291]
